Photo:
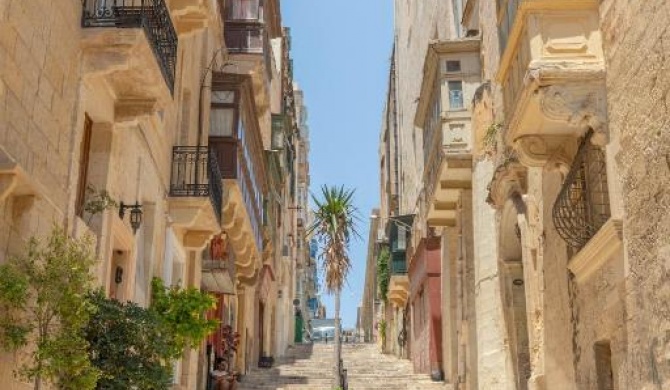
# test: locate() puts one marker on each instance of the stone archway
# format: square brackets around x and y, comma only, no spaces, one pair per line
[513,293]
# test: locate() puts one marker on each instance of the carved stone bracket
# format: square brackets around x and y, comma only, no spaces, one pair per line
[582,106]
[129,109]
[554,151]
[508,179]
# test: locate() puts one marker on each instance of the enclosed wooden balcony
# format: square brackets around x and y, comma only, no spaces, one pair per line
[234,137]
[553,74]
[132,45]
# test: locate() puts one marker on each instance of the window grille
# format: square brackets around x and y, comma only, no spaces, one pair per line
[582,206]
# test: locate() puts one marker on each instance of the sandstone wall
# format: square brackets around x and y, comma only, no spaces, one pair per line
[39,77]
[637,47]
[416,23]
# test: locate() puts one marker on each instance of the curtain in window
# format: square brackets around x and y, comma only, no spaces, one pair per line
[221,122]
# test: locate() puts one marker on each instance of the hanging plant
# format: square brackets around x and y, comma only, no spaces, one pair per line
[383,273]
[97,201]
[490,139]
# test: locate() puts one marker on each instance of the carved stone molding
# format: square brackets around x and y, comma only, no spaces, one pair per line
[553,151]
[508,179]
[197,239]
[600,249]
[581,106]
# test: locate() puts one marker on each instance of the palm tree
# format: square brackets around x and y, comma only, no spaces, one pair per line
[334,225]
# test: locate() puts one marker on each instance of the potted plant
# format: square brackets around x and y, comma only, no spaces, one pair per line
[225,377]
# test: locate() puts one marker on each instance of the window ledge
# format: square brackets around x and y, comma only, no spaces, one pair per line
[597,251]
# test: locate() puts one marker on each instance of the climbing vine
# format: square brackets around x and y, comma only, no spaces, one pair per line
[383,274]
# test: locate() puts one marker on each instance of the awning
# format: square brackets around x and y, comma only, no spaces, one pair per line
[216,278]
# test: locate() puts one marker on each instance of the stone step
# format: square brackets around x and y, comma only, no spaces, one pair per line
[310,367]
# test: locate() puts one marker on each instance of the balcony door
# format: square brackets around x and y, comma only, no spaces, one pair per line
[223,131]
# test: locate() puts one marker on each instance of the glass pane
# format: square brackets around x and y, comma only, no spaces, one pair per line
[453,66]
[221,123]
[402,238]
[455,95]
[244,10]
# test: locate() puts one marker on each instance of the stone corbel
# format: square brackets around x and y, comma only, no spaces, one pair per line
[197,239]
[248,278]
[508,179]
[128,110]
[581,106]
[551,151]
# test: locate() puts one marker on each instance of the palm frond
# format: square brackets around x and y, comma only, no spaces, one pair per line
[334,225]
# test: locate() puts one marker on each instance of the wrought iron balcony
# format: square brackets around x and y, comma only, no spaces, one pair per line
[582,206]
[196,173]
[151,15]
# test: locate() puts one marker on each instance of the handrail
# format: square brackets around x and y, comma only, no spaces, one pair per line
[151,15]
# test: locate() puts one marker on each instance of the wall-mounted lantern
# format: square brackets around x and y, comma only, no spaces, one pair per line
[135,215]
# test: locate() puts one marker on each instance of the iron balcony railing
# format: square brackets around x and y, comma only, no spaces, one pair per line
[196,173]
[583,206]
[151,15]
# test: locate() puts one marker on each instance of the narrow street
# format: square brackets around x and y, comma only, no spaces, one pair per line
[309,367]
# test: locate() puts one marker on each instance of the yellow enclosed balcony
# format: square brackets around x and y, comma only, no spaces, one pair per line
[552,74]
[451,76]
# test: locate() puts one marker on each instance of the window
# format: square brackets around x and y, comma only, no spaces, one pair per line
[222,122]
[455,95]
[84,154]
[244,10]
[402,238]
[453,66]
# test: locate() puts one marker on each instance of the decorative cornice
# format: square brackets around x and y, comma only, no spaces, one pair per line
[600,248]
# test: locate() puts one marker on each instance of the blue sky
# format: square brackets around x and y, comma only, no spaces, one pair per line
[341,51]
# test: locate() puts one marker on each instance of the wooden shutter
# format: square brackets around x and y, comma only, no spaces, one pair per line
[84,155]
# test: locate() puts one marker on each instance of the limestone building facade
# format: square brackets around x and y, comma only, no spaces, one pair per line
[546,197]
[187,113]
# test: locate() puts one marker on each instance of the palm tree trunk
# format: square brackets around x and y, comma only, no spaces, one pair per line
[338,352]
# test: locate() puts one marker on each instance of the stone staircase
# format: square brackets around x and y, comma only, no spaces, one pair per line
[310,367]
